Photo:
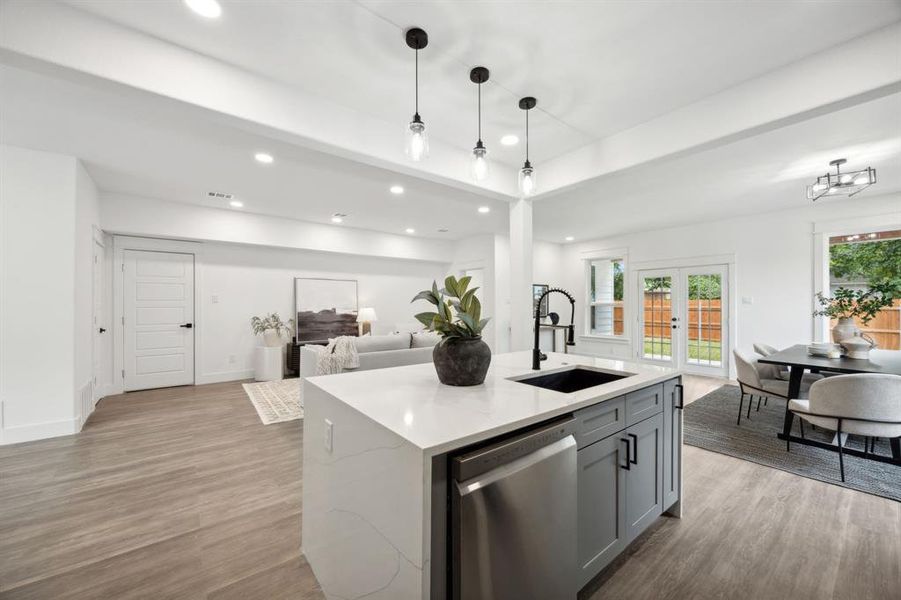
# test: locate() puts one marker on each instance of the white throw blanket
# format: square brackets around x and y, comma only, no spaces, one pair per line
[339,354]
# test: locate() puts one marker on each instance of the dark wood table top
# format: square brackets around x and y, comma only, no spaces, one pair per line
[881,361]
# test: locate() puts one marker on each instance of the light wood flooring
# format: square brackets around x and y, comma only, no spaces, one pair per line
[183,493]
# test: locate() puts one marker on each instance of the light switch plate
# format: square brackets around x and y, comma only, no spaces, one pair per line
[747,300]
[215,299]
[329,435]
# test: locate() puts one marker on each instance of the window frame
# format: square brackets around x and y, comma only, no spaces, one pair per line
[609,255]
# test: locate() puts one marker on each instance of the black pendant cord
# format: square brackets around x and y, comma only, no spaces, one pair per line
[480,113]
[527,136]
[416,111]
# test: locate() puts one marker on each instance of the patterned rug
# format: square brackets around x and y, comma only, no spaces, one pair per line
[710,424]
[276,401]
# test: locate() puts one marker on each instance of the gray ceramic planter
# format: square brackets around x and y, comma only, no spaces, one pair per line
[461,361]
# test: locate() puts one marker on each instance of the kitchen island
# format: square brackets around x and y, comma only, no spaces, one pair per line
[382,450]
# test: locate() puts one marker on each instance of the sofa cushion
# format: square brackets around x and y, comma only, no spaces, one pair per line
[425,339]
[380,343]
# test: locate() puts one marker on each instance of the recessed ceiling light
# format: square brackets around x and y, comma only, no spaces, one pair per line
[337,219]
[569,238]
[484,209]
[205,8]
[263,158]
[510,140]
[410,230]
[397,189]
[236,204]
[443,230]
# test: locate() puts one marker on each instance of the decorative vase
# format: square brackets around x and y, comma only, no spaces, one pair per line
[844,329]
[461,361]
[271,338]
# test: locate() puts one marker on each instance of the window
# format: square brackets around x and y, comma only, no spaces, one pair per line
[605,296]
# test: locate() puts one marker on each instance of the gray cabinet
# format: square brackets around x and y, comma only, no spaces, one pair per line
[622,479]
[672,442]
[601,505]
[644,491]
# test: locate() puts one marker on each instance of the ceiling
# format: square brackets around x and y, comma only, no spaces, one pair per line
[765,173]
[596,67]
[141,144]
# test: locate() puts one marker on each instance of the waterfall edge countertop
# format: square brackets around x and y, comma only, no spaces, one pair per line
[412,403]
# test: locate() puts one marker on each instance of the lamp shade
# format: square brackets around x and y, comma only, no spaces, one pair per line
[366,315]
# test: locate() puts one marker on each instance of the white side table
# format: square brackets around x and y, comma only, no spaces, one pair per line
[267,363]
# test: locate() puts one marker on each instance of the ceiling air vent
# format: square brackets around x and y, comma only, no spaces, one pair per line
[221,195]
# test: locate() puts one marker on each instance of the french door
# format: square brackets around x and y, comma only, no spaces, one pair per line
[683,318]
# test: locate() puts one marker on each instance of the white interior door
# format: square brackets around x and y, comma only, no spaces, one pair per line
[99,321]
[683,318]
[158,319]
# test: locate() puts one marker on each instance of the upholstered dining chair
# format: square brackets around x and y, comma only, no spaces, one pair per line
[759,379]
[867,404]
[783,372]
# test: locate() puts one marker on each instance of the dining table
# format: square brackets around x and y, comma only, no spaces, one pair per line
[798,360]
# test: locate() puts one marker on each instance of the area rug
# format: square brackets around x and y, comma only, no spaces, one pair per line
[276,401]
[710,424]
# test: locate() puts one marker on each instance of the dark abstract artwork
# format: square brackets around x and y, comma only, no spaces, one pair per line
[326,308]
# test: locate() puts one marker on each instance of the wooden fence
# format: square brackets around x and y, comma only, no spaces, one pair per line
[704,318]
[885,328]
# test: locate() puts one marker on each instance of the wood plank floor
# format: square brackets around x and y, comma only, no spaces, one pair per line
[183,493]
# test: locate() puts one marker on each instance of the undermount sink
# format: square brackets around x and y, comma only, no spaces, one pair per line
[572,380]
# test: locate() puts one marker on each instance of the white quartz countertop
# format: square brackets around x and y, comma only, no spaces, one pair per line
[411,402]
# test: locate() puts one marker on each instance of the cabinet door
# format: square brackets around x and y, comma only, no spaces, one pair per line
[672,442]
[644,481]
[601,503]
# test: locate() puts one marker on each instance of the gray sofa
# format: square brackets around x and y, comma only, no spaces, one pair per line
[379,352]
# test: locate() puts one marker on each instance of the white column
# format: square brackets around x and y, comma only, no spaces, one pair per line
[520,274]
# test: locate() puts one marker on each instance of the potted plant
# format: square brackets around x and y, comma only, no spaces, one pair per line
[271,327]
[461,357]
[846,304]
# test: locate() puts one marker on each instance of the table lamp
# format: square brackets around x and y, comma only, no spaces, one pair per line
[365,318]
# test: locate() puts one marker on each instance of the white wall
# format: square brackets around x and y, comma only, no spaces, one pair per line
[37,318]
[86,218]
[774,265]
[249,280]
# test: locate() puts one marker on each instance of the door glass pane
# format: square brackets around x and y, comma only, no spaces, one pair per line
[705,320]
[658,315]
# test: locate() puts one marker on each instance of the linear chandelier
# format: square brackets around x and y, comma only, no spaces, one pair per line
[848,183]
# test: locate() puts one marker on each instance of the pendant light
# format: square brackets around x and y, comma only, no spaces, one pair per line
[527,184]
[479,166]
[417,143]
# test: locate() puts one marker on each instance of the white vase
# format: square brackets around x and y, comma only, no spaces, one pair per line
[844,329]
[271,338]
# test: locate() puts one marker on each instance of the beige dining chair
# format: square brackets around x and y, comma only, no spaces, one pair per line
[866,404]
[759,379]
[783,372]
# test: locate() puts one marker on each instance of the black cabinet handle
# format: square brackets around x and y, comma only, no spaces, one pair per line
[627,466]
[102,330]
[187,325]
[635,443]
[681,390]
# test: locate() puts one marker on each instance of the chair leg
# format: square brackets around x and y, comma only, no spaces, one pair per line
[740,404]
[766,400]
[841,454]
[758,402]
[801,423]
[750,402]
[788,442]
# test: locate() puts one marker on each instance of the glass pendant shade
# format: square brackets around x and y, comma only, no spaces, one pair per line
[417,141]
[478,165]
[527,184]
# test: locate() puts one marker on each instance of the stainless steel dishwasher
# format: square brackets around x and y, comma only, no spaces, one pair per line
[513,517]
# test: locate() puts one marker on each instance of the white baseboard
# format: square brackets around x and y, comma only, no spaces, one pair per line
[222,376]
[39,431]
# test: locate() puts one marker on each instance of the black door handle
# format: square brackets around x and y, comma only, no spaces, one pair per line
[102,330]
[681,391]
[187,325]
[627,466]
[635,442]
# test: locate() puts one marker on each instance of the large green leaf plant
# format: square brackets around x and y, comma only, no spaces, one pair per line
[458,313]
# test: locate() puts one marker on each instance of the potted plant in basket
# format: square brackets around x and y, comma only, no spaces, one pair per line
[846,304]
[461,357]
[271,327]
